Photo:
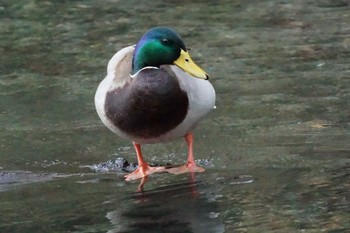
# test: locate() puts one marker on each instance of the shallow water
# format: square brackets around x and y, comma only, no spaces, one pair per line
[281,72]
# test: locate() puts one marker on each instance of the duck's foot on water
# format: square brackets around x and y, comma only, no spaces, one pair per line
[143,171]
[188,167]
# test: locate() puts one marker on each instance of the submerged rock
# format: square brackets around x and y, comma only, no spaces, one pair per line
[10,179]
[119,164]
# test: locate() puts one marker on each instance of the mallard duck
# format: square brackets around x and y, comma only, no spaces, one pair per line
[154,93]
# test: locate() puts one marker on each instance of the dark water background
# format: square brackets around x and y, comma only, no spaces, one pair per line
[281,70]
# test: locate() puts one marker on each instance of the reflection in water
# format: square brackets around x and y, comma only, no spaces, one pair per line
[177,207]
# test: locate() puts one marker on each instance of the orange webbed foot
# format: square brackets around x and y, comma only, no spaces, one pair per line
[191,165]
[185,169]
[143,171]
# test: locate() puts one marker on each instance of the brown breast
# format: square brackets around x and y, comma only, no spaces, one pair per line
[151,105]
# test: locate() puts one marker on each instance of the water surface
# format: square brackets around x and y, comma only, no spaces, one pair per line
[281,73]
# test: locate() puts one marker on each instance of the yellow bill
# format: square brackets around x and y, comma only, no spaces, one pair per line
[185,62]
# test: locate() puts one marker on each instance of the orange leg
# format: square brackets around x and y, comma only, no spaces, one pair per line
[191,165]
[144,169]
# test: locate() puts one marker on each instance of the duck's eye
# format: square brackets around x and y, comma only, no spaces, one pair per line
[187,60]
[165,41]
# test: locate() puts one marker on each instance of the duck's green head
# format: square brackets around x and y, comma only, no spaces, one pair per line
[163,46]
